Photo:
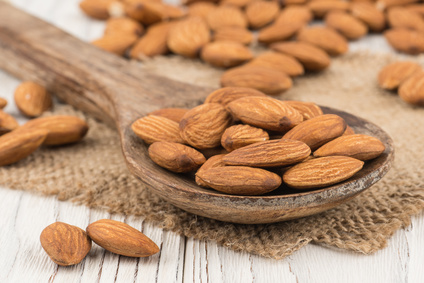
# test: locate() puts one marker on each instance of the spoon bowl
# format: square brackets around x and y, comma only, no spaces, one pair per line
[119,92]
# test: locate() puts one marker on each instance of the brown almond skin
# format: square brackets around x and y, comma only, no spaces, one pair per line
[153,43]
[154,128]
[3,103]
[62,129]
[226,16]
[265,112]
[65,244]
[7,123]
[225,95]
[123,25]
[120,238]
[174,114]
[349,131]
[307,109]
[240,180]
[317,131]
[346,24]
[310,56]
[321,172]
[400,17]
[176,157]
[323,7]
[278,32]
[412,90]
[201,9]
[188,37]
[238,136]
[18,144]
[260,13]
[32,99]
[97,9]
[237,34]
[273,153]
[225,54]
[261,78]
[279,62]
[294,14]
[368,13]
[394,74]
[203,126]
[405,40]
[358,146]
[325,38]
[212,162]
[116,43]
[235,3]
[384,4]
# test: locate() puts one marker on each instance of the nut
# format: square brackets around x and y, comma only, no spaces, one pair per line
[7,123]
[32,99]
[346,24]
[225,54]
[325,38]
[238,136]
[279,62]
[174,114]
[154,128]
[260,13]
[225,95]
[393,75]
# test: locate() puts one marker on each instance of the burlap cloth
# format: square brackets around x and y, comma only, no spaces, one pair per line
[93,172]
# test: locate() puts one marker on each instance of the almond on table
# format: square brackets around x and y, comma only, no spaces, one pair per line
[3,103]
[7,122]
[346,24]
[225,54]
[394,74]
[279,62]
[32,99]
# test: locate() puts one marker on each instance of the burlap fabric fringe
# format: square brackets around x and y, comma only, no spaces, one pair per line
[93,172]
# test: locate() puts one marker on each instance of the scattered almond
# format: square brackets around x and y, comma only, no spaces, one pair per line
[201,9]
[263,79]
[117,43]
[240,180]
[32,99]
[307,109]
[176,157]
[238,136]
[225,54]
[118,25]
[399,17]
[346,24]
[393,75]
[294,14]
[260,13]
[7,123]
[321,172]
[226,16]
[225,95]
[237,34]
[174,114]
[98,9]
[325,38]
[203,126]
[323,7]
[279,62]
[368,13]
[65,244]
[405,40]
[278,32]
[384,4]
[3,103]
[318,130]
[412,90]
[120,238]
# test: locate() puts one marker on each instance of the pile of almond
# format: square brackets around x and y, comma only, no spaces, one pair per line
[67,245]
[254,143]
[18,142]
[407,78]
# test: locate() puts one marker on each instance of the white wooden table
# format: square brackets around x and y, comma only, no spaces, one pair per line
[24,215]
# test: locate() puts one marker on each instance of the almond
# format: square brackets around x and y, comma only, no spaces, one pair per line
[32,99]
[237,34]
[225,54]
[358,146]
[225,95]
[7,123]
[65,244]
[120,238]
[399,17]
[323,7]
[3,103]
[18,144]
[156,128]
[311,57]
[273,153]
[238,136]
[116,43]
[123,25]
[294,14]
[349,131]
[235,3]
[135,9]
[176,157]
[307,109]
[188,37]
[226,16]
[321,172]
[368,13]
[325,38]
[263,79]
[317,131]
[174,114]
[278,32]
[412,90]
[384,4]
[62,129]
[153,43]
[279,62]
[240,180]
[260,13]
[406,41]
[265,112]
[346,24]
[201,9]
[203,126]
[97,9]
[150,12]
[393,75]
[212,162]
[417,8]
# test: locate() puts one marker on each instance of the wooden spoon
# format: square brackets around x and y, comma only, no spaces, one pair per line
[119,92]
